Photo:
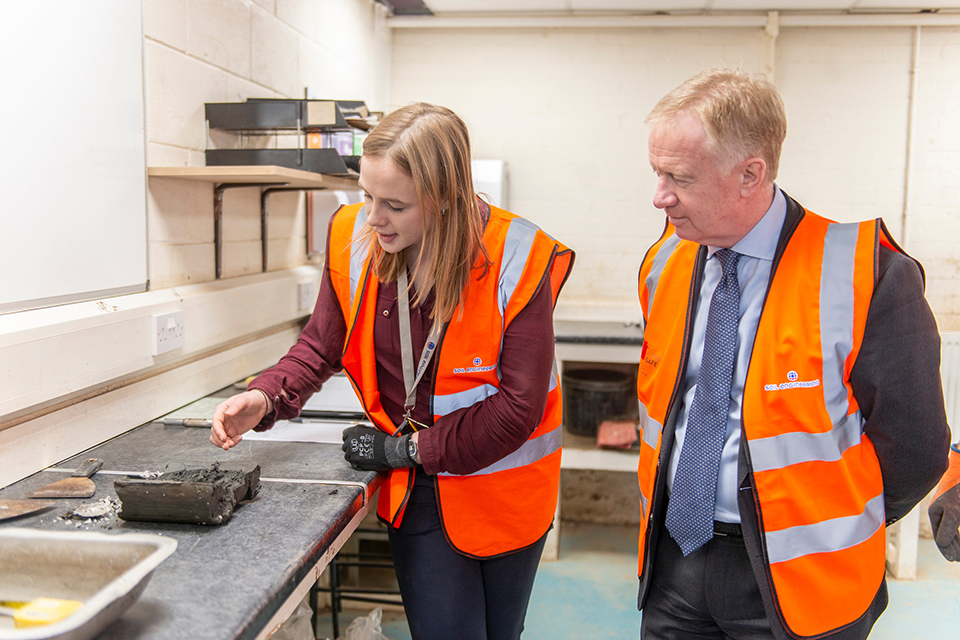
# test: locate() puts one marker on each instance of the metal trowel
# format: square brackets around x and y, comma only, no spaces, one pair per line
[78,485]
[15,508]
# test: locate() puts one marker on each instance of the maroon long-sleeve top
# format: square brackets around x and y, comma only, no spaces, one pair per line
[461,442]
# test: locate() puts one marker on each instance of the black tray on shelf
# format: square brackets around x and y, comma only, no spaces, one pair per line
[316,160]
[258,114]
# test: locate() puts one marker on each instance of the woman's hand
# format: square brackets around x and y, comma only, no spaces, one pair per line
[235,416]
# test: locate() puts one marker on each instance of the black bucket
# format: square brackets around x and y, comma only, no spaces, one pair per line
[591,396]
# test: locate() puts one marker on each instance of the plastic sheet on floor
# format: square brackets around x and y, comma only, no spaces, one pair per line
[366,627]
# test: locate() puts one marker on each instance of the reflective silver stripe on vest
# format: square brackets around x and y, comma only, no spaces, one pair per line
[448,403]
[651,428]
[516,250]
[836,338]
[836,313]
[659,262]
[531,451]
[517,245]
[359,248]
[777,452]
[826,536]
[650,432]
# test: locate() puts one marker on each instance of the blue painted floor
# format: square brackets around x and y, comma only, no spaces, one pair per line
[591,592]
[928,607]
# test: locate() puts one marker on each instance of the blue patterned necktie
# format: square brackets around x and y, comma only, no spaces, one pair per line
[693,498]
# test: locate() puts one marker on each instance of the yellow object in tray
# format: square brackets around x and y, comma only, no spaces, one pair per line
[39,612]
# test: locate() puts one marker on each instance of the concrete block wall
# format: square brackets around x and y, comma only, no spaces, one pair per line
[847,98]
[565,108]
[934,222]
[199,51]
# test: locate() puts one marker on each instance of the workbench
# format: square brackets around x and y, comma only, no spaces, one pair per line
[240,580]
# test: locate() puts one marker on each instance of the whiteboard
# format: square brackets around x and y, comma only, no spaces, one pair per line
[73,172]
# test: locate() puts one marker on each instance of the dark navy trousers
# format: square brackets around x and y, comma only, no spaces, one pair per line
[448,596]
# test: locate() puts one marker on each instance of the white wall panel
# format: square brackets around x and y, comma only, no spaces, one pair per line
[74,175]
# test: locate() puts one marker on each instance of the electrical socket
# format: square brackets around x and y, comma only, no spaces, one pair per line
[167,332]
[306,296]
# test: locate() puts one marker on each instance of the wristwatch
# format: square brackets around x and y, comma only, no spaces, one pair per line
[412,450]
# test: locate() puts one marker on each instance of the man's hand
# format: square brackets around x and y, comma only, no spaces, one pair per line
[369,449]
[235,416]
[945,509]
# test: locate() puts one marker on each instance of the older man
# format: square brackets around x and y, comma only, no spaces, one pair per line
[789,387]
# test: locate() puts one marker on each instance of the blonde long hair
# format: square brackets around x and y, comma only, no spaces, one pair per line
[431,144]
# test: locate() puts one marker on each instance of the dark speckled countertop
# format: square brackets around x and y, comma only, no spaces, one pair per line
[227,581]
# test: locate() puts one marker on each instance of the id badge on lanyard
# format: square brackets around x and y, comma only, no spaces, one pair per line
[411,377]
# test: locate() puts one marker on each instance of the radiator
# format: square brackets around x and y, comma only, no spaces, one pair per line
[950,374]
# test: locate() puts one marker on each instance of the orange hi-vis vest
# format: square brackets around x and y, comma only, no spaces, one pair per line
[510,504]
[817,488]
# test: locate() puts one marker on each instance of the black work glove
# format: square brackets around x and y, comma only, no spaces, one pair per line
[369,449]
[944,511]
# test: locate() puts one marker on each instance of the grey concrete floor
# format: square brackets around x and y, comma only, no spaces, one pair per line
[591,592]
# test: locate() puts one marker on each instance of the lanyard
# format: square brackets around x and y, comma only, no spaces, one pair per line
[410,378]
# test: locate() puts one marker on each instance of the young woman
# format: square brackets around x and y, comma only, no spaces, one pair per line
[439,308]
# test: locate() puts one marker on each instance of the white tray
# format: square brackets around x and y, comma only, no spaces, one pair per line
[105,572]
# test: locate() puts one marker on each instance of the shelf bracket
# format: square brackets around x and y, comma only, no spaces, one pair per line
[218,190]
[264,197]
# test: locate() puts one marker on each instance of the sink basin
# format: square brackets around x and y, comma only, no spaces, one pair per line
[105,572]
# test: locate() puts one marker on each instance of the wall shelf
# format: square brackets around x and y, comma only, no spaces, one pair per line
[257,174]
[582,452]
[268,178]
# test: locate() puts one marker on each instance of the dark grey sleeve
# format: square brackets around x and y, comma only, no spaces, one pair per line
[896,381]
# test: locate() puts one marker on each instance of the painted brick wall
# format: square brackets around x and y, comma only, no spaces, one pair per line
[565,109]
[199,51]
[934,225]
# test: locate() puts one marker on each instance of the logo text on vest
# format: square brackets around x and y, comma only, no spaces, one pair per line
[476,368]
[648,360]
[793,382]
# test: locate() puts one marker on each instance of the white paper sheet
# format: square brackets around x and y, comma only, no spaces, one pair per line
[336,394]
[309,430]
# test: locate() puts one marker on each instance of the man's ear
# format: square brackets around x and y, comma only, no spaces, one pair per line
[753,176]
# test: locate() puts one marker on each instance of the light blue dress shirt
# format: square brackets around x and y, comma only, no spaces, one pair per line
[757,250]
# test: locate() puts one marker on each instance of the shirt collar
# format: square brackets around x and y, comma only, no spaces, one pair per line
[761,241]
